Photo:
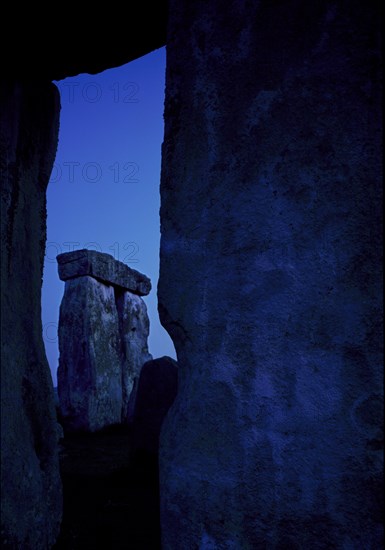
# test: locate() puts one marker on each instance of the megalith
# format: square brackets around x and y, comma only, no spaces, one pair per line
[134,328]
[103,331]
[31,494]
[156,393]
[31,491]
[270,276]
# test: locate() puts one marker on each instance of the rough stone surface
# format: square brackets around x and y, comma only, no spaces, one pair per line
[134,327]
[81,50]
[269,276]
[269,267]
[156,393]
[89,373]
[103,267]
[31,498]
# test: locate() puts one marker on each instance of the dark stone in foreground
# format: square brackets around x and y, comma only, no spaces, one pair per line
[270,276]
[156,392]
[83,53]
[103,267]
[31,499]
[110,499]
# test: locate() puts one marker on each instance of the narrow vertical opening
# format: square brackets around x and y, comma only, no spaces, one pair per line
[104,195]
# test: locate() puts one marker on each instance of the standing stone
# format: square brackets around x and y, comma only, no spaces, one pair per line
[103,331]
[270,276]
[89,373]
[157,389]
[31,491]
[134,326]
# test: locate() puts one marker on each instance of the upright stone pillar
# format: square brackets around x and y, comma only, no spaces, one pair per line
[156,393]
[90,370]
[31,492]
[103,330]
[134,328]
[270,280]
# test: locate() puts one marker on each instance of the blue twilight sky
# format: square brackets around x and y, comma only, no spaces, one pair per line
[104,188]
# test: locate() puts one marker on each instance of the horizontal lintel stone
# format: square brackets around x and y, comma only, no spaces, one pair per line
[103,267]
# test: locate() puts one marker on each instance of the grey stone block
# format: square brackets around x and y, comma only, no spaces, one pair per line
[103,267]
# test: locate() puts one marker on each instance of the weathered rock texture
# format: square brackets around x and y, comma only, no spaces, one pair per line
[101,267]
[30,483]
[269,267]
[103,331]
[156,393]
[269,278]
[134,328]
[90,370]
[31,499]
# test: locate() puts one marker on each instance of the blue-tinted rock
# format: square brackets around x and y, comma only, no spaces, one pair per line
[134,328]
[270,276]
[31,491]
[103,267]
[90,369]
[103,332]
[156,392]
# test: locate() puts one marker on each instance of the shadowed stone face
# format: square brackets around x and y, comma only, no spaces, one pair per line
[156,393]
[269,276]
[134,327]
[31,498]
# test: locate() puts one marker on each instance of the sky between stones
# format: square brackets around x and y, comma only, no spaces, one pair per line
[104,188]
